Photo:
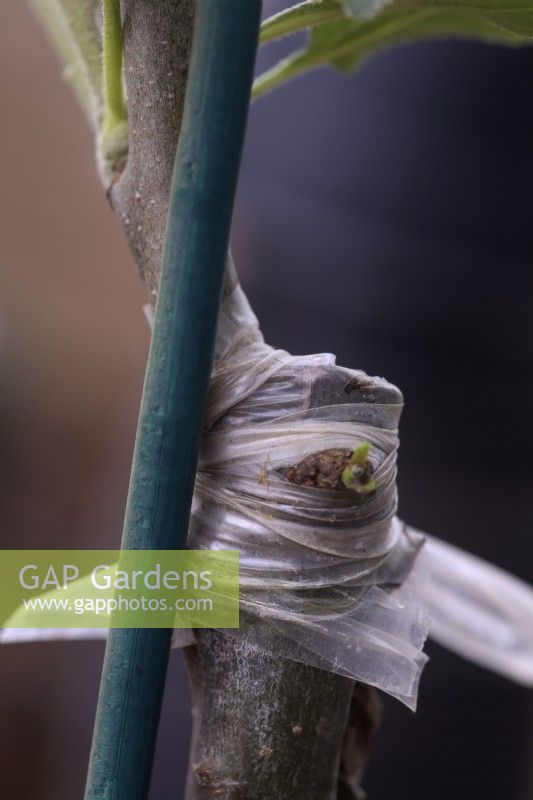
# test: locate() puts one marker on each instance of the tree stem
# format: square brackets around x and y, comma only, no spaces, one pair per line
[264,727]
[177,377]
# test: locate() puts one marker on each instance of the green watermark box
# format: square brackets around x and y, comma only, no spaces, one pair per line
[119,589]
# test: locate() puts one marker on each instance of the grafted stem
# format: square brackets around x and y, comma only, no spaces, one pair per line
[243,697]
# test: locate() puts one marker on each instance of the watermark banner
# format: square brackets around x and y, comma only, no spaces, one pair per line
[128,589]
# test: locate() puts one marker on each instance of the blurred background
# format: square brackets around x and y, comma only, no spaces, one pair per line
[385,217]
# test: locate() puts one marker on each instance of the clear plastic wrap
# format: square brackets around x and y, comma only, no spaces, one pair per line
[320,571]
[327,577]
[476,609]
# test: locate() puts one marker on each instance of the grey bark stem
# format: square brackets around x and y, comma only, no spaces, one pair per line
[265,728]
[157,43]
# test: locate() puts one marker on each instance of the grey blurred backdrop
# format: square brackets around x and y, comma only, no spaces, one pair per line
[385,217]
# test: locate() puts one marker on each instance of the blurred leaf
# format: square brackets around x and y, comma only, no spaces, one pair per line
[302,15]
[364,9]
[72,27]
[345,42]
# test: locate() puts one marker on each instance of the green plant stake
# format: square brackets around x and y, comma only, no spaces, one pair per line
[177,377]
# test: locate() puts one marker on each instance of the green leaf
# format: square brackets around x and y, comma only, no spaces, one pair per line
[360,455]
[364,9]
[346,42]
[296,18]
[93,65]
[72,27]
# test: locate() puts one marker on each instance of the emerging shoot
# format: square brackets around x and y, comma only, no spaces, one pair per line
[356,476]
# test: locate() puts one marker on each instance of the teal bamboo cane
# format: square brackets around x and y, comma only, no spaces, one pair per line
[177,377]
